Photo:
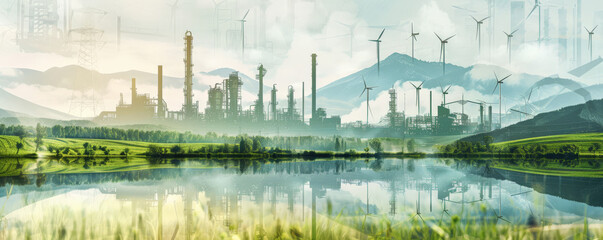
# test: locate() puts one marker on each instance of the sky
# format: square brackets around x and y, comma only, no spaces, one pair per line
[152,32]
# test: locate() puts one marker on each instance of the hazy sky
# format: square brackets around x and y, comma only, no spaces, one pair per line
[294,29]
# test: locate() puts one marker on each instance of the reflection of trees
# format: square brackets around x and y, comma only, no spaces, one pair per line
[40,179]
[376,165]
[410,165]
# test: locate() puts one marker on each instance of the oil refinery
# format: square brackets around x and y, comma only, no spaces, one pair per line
[224,112]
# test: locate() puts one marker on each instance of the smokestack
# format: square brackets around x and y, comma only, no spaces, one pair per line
[481,116]
[189,108]
[273,102]
[430,107]
[133,90]
[160,110]
[489,118]
[313,85]
[259,106]
[303,101]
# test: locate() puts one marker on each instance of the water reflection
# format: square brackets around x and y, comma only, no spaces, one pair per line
[231,194]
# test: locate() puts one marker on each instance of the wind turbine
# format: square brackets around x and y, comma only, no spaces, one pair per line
[368,90]
[418,88]
[413,35]
[444,93]
[243,33]
[478,33]
[378,41]
[443,51]
[499,82]
[590,41]
[509,37]
[351,28]
[174,7]
[536,5]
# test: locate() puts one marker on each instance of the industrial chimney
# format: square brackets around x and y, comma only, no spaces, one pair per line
[489,118]
[160,107]
[133,90]
[314,85]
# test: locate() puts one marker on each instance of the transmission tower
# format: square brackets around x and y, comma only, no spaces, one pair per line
[89,42]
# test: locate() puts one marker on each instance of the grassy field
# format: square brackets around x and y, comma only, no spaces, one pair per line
[8,145]
[583,140]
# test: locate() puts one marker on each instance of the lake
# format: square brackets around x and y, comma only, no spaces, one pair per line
[190,199]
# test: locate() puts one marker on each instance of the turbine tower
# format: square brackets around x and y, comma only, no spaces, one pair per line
[478,33]
[418,88]
[351,28]
[509,37]
[499,82]
[378,41]
[590,41]
[367,89]
[536,5]
[413,35]
[243,34]
[443,52]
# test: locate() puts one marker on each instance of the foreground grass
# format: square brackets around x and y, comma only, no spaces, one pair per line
[110,218]
[582,140]
[8,145]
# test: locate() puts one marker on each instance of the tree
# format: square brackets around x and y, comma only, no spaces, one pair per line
[337,145]
[487,141]
[40,133]
[126,151]
[376,145]
[411,145]
[595,147]
[19,146]
[176,149]
[246,145]
[20,132]
[257,145]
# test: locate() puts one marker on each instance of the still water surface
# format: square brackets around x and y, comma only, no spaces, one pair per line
[224,194]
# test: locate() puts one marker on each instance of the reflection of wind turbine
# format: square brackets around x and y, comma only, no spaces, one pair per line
[590,41]
[499,214]
[418,88]
[174,7]
[443,52]
[509,37]
[499,82]
[378,41]
[413,35]
[536,5]
[419,205]
[368,90]
[478,33]
[243,33]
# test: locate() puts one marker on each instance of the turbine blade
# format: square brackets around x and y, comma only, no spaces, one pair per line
[514,31]
[448,88]
[594,29]
[422,83]
[381,34]
[506,33]
[505,77]
[484,18]
[246,14]
[413,85]
[495,87]
[438,36]
[534,8]
[496,76]
[450,37]
[530,95]
[474,19]
[362,92]
[412,29]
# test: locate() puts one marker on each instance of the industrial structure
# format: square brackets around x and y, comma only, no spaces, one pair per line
[224,110]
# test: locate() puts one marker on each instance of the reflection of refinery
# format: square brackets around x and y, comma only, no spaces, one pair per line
[224,111]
